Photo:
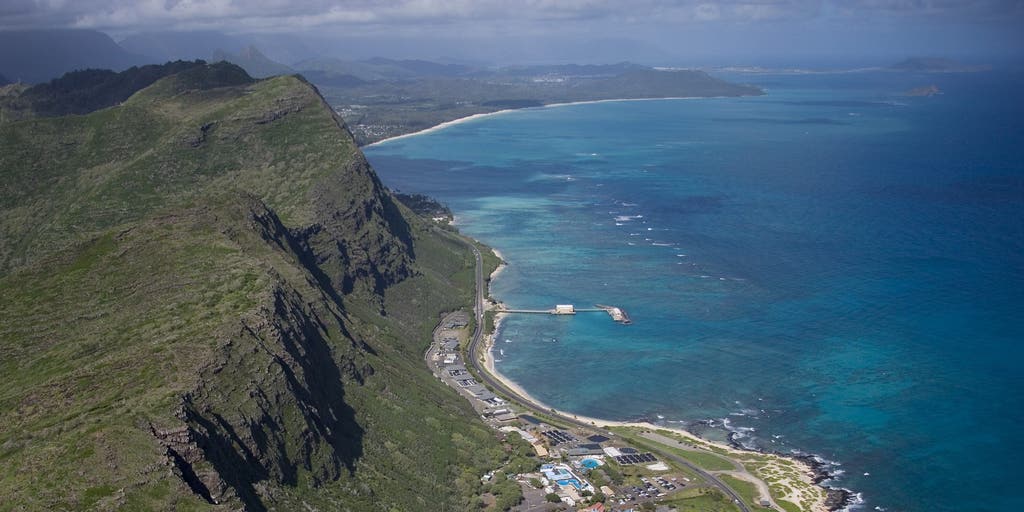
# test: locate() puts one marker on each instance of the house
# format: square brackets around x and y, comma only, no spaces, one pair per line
[596,507]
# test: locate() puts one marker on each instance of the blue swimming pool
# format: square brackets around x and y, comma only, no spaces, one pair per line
[590,463]
[570,481]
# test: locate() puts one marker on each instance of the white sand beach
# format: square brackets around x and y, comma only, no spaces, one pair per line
[482,115]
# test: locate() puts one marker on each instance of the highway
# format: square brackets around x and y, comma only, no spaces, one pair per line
[485,376]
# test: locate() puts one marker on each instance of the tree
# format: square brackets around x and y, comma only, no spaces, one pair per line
[598,496]
[552,498]
[614,474]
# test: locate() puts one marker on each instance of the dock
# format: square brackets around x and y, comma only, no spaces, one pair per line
[616,313]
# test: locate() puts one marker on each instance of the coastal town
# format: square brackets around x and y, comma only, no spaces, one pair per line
[574,470]
[580,466]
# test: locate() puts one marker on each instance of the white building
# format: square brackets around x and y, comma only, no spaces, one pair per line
[565,309]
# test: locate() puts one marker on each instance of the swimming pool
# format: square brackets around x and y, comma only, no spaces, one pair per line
[590,463]
[570,481]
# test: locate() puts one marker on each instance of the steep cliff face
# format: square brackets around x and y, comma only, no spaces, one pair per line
[359,234]
[188,135]
[209,299]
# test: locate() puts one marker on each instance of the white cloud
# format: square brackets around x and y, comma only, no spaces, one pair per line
[284,14]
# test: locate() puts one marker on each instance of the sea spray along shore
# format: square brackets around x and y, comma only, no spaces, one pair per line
[787,479]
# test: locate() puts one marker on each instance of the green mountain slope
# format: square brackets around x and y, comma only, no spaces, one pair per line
[207,297]
[81,92]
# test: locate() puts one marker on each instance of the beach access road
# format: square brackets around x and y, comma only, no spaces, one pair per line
[473,359]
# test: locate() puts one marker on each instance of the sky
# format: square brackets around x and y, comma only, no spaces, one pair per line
[668,32]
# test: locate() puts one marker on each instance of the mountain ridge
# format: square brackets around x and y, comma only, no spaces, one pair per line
[242,309]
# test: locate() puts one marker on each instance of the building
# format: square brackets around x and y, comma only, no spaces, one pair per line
[505,417]
[480,392]
[584,450]
[565,309]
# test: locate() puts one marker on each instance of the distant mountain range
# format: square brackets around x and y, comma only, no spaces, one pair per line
[379,68]
[35,56]
[254,62]
[167,46]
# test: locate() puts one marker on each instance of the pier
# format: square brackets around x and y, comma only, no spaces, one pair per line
[618,314]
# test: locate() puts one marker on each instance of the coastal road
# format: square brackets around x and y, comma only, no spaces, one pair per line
[472,355]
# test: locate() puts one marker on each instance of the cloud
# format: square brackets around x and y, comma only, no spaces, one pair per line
[284,15]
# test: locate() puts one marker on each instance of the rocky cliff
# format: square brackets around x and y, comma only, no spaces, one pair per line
[210,300]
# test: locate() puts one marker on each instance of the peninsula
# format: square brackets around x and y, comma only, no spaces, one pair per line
[379,105]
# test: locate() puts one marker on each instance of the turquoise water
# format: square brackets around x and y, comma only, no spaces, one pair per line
[590,463]
[571,481]
[833,268]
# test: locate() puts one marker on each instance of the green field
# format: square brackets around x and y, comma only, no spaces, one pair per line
[700,499]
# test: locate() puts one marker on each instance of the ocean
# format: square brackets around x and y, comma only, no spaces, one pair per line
[833,269]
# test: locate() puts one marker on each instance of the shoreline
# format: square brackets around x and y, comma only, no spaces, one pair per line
[812,470]
[481,115]
[442,126]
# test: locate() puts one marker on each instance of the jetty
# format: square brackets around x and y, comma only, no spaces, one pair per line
[616,313]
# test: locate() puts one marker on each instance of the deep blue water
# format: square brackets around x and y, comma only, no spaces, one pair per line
[833,268]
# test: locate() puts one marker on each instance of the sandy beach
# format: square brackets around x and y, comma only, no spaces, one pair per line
[442,126]
[776,463]
[482,115]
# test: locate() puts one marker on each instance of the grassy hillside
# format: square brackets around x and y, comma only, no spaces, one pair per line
[207,297]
